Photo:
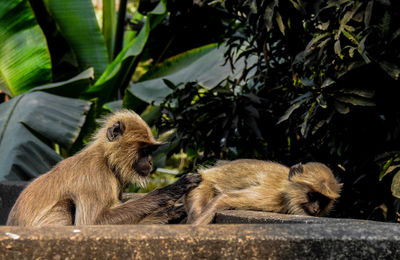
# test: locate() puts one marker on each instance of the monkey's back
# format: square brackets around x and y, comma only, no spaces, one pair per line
[245,173]
[37,199]
[46,202]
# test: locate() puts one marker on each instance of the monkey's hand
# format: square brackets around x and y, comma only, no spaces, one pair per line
[188,182]
[168,195]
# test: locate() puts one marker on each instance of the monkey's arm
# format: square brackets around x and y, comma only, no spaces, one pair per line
[242,199]
[133,211]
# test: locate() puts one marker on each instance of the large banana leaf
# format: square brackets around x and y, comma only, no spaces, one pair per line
[121,69]
[205,65]
[78,24]
[109,26]
[73,87]
[24,58]
[29,123]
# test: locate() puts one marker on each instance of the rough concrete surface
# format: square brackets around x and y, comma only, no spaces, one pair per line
[249,235]
[249,241]
[260,217]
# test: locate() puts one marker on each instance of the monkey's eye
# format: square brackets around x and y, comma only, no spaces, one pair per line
[145,152]
[147,149]
[312,196]
[324,201]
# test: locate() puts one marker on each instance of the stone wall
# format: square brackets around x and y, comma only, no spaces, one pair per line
[216,241]
[236,235]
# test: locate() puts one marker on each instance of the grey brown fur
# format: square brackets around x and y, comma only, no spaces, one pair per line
[86,188]
[308,189]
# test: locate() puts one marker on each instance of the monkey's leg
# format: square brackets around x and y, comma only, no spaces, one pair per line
[229,200]
[61,214]
[196,200]
[165,215]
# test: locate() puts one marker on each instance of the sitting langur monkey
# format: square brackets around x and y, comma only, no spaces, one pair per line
[308,189]
[86,188]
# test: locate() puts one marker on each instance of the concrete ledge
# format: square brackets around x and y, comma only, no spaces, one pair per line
[268,241]
[260,217]
[262,236]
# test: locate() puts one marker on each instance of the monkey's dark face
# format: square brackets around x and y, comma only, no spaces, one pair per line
[316,204]
[314,189]
[133,147]
[144,164]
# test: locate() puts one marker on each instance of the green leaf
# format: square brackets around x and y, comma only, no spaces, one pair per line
[327,82]
[368,12]
[366,93]
[305,126]
[321,101]
[28,123]
[391,69]
[24,58]
[341,107]
[395,188]
[121,69]
[346,18]
[337,48]
[280,23]
[298,5]
[109,25]
[151,114]
[390,166]
[178,62]
[296,103]
[207,68]
[113,106]
[356,101]
[314,41]
[70,88]
[78,25]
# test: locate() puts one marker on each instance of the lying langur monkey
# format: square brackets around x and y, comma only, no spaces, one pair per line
[308,189]
[86,188]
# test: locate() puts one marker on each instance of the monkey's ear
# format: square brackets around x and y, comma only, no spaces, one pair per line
[115,131]
[295,169]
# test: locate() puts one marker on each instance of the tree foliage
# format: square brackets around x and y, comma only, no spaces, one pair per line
[291,81]
[324,89]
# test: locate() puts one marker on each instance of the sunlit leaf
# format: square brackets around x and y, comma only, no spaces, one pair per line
[24,58]
[395,187]
[78,25]
[280,23]
[337,47]
[109,26]
[390,166]
[121,69]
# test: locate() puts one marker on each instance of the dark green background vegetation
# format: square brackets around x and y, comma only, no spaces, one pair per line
[301,81]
